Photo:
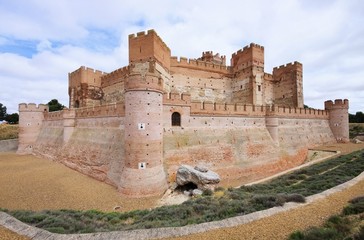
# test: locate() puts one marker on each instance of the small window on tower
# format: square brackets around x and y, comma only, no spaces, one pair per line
[140,49]
[259,88]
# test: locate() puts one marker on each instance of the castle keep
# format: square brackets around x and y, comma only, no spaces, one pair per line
[134,126]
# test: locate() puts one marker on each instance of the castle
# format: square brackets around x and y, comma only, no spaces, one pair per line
[134,126]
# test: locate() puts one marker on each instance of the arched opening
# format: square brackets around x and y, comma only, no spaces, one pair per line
[176,119]
[77,104]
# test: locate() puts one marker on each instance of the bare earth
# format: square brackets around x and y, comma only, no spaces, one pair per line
[28,182]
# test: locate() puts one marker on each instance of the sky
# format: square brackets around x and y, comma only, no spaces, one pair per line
[41,41]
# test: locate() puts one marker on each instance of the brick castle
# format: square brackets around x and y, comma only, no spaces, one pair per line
[134,126]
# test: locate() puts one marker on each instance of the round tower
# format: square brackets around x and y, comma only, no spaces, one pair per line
[31,118]
[339,118]
[143,173]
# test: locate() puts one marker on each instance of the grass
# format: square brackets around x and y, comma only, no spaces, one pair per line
[8,131]
[211,206]
[348,225]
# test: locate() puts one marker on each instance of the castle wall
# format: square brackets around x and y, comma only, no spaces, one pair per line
[114,93]
[201,68]
[200,88]
[268,88]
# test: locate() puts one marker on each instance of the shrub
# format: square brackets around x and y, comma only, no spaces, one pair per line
[298,235]
[357,199]
[354,208]
[360,234]
[207,192]
[294,197]
[322,233]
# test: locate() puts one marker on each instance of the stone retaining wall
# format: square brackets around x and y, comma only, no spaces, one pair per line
[155,233]
[10,145]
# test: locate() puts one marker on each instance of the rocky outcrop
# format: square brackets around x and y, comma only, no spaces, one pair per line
[200,176]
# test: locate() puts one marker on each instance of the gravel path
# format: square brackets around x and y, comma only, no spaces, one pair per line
[27,182]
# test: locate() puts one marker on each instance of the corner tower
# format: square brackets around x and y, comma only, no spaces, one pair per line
[143,173]
[31,119]
[339,118]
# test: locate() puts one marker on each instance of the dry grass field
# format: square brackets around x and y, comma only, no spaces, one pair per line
[8,131]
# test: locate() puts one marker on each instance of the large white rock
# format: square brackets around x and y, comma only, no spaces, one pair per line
[202,178]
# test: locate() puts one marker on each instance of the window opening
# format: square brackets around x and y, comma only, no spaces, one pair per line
[176,119]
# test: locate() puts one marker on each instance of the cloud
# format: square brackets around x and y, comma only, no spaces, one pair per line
[40,41]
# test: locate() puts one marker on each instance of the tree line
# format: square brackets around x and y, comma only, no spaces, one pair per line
[358,117]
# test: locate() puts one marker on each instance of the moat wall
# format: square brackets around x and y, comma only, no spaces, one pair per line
[240,149]
[96,147]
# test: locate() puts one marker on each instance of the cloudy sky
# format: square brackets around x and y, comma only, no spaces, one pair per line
[42,41]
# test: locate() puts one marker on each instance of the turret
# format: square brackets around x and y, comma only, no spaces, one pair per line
[252,55]
[209,56]
[288,90]
[248,68]
[84,87]
[339,118]
[143,173]
[31,119]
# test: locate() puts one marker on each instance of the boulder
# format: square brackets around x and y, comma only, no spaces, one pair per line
[202,179]
[196,192]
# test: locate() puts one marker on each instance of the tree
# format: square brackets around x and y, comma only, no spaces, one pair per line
[54,105]
[2,112]
[357,118]
[12,118]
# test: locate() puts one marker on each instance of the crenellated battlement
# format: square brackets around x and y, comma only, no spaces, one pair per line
[338,104]
[209,56]
[268,77]
[199,65]
[32,107]
[177,99]
[149,33]
[288,67]
[252,55]
[82,69]
[238,109]
[115,76]
[247,48]
[57,115]
[109,110]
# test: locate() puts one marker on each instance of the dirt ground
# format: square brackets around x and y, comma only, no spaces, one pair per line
[28,182]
